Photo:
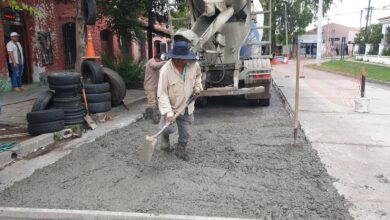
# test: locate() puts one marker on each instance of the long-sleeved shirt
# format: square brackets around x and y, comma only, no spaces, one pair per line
[152,68]
[174,88]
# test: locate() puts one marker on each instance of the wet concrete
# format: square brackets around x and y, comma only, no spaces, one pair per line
[242,165]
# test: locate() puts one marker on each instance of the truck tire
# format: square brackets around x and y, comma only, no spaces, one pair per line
[92,72]
[96,88]
[100,97]
[45,116]
[90,12]
[66,94]
[99,107]
[48,127]
[67,78]
[74,111]
[118,86]
[43,102]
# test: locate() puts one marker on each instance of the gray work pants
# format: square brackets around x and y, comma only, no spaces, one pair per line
[183,123]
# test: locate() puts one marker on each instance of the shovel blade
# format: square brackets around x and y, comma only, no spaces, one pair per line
[146,152]
[91,123]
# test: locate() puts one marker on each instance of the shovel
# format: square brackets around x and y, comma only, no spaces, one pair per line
[91,123]
[146,152]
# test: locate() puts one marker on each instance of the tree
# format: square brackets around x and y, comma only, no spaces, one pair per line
[300,13]
[81,40]
[373,35]
[123,19]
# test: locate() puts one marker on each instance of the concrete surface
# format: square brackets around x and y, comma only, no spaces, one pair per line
[242,165]
[29,146]
[5,158]
[355,147]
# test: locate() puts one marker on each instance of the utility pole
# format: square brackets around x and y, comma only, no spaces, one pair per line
[319,31]
[286,27]
[361,20]
[327,38]
[368,14]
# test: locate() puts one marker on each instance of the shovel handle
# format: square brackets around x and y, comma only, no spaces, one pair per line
[84,95]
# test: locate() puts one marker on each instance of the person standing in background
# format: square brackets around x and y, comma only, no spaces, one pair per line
[15,52]
[152,72]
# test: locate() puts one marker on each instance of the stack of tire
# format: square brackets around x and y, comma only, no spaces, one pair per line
[67,97]
[104,87]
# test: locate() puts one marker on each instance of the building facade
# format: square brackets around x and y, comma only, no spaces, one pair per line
[49,42]
[332,37]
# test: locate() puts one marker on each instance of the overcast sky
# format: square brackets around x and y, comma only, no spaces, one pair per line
[347,12]
[353,7]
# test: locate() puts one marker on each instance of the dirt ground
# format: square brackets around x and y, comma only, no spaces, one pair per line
[242,165]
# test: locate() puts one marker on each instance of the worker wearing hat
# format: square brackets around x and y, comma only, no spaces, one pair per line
[16,61]
[180,78]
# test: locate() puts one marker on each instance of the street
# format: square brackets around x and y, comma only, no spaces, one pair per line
[241,164]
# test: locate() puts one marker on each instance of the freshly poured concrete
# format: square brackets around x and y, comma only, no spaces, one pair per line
[242,165]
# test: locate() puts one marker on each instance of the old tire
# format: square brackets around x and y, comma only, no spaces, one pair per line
[65,88]
[96,88]
[71,102]
[92,72]
[99,97]
[66,94]
[48,127]
[90,12]
[67,78]
[99,107]
[74,111]
[43,102]
[45,116]
[74,121]
[118,86]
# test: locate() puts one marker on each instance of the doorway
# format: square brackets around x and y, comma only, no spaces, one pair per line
[13,22]
[69,41]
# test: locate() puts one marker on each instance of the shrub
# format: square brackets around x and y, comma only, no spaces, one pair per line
[386,52]
[132,73]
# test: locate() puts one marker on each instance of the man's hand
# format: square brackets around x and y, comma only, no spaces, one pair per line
[171,119]
[196,92]
[15,65]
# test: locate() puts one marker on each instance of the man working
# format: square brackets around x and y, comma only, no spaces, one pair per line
[152,70]
[15,53]
[180,78]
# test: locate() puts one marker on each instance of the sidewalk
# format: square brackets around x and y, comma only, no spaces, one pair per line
[17,105]
[355,148]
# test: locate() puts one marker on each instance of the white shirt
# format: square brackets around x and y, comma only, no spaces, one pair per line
[173,91]
[11,47]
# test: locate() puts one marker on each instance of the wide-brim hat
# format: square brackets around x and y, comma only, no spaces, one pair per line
[14,34]
[181,50]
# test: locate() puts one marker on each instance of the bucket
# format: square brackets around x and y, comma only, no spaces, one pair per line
[362,105]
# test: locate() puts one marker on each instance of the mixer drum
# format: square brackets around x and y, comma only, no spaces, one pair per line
[200,5]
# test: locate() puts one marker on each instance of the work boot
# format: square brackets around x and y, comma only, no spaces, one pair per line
[148,113]
[165,144]
[181,151]
[18,90]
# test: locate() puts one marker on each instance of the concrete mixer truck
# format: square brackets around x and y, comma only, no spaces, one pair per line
[227,35]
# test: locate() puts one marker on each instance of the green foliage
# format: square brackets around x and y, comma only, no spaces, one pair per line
[132,73]
[373,35]
[387,36]
[300,13]
[386,52]
[123,19]
[15,5]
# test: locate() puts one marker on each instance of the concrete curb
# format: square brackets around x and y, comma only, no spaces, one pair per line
[380,82]
[35,213]
[6,158]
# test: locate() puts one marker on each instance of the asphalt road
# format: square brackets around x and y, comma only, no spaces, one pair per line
[242,165]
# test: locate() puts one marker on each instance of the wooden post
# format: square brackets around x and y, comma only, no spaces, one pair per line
[296,112]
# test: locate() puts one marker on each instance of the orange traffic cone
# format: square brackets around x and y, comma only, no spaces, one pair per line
[90,50]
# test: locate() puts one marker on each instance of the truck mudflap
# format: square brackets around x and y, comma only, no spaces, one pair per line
[231,91]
